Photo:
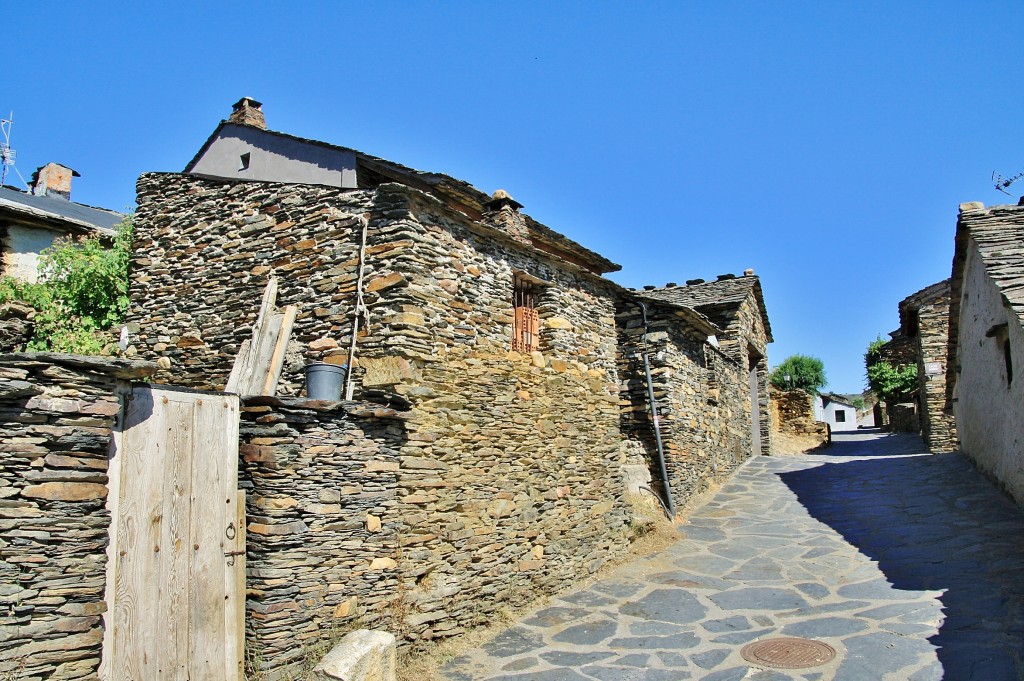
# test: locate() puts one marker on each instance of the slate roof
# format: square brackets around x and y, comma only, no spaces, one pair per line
[999,234]
[723,295]
[74,217]
[915,301]
[469,199]
[833,397]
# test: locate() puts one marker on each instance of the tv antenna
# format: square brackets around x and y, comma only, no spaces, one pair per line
[6,153]
[1003,182]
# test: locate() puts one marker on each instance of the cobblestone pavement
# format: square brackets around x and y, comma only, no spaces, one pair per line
[910,566]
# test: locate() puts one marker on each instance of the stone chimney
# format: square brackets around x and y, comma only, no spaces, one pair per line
[247,111]
[502,212]
[53,180]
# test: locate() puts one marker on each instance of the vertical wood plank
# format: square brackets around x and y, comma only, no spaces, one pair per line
[280,347]
[235,612]
[139,518]
[173,594]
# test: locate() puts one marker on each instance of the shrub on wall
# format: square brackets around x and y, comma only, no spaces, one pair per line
[800,372]
[82,292]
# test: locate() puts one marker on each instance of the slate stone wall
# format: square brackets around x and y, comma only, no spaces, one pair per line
[203,253]
[938,425]
[323,526]
[703,405]
[508,483]
[793,414]
[56,416]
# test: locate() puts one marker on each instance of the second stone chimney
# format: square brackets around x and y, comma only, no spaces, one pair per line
[53,180]
[502,212]
[247,111]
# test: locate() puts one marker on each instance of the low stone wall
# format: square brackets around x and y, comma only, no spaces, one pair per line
[56,416]
[323,539]
[903,418]
[793,416]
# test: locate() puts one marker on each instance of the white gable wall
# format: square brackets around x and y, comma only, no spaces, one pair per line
[989,413]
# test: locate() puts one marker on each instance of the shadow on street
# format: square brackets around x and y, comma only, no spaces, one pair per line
[932,522]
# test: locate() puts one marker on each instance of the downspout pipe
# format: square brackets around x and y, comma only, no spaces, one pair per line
[670,507]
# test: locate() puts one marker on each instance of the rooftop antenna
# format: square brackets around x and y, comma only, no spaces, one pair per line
[1003,182]
[6,153]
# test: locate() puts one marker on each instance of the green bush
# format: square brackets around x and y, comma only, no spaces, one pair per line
[890,382]
[82,292]
[805,373]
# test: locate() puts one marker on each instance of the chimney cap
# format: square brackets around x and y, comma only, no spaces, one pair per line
[749,272]
[501,198]
[247,101]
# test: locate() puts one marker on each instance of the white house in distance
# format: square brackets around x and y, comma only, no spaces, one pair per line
[836,411]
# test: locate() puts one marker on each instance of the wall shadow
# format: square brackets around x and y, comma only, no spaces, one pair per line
[932,522]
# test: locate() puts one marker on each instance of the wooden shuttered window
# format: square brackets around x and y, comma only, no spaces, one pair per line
[526,322]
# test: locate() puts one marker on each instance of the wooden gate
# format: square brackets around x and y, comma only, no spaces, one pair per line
[176,558]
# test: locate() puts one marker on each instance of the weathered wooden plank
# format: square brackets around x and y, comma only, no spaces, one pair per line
[241,376]
[208,521]
[173,588]
[171,613]
[235,610]
[280,347]
[130,652]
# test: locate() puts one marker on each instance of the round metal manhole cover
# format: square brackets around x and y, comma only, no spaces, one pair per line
[788,653]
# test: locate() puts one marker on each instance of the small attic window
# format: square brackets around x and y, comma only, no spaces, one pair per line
[243,161]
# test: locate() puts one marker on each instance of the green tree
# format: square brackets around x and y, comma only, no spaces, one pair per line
[82,292]
[804,373]
[890,382]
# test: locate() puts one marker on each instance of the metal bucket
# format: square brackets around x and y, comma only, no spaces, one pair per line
[325,381]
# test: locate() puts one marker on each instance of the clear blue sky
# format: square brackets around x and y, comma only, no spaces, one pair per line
[826,145]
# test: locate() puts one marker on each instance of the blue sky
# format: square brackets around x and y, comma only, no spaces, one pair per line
[825,145]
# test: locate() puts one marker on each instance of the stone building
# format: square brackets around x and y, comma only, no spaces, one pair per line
[516,366]
[736,306]
[31,221]
[986,328]
[922,341]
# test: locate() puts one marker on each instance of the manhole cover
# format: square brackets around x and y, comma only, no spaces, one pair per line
[788,653]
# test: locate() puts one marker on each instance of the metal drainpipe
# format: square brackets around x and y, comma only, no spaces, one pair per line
[654,417]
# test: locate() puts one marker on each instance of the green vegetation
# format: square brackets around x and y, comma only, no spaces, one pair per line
[800,372]
[888,381]
[82,292]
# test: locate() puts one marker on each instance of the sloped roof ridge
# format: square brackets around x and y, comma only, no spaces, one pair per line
[718,292]
[434,179]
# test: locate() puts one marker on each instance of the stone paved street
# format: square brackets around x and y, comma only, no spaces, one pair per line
[910,565]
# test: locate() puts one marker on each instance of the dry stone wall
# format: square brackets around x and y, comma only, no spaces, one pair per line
[509,481]
[323,525]
[793,415]
[938,426]
[703,406]
[204,250]
[508,484]
[56,416]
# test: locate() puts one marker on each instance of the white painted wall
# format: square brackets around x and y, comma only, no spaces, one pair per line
[989,414]
[827,414]
[275,159]
[21,250]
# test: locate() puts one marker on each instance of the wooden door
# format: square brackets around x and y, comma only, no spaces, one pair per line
[175,572]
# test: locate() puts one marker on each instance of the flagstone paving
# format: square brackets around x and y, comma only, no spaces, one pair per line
[910,565]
